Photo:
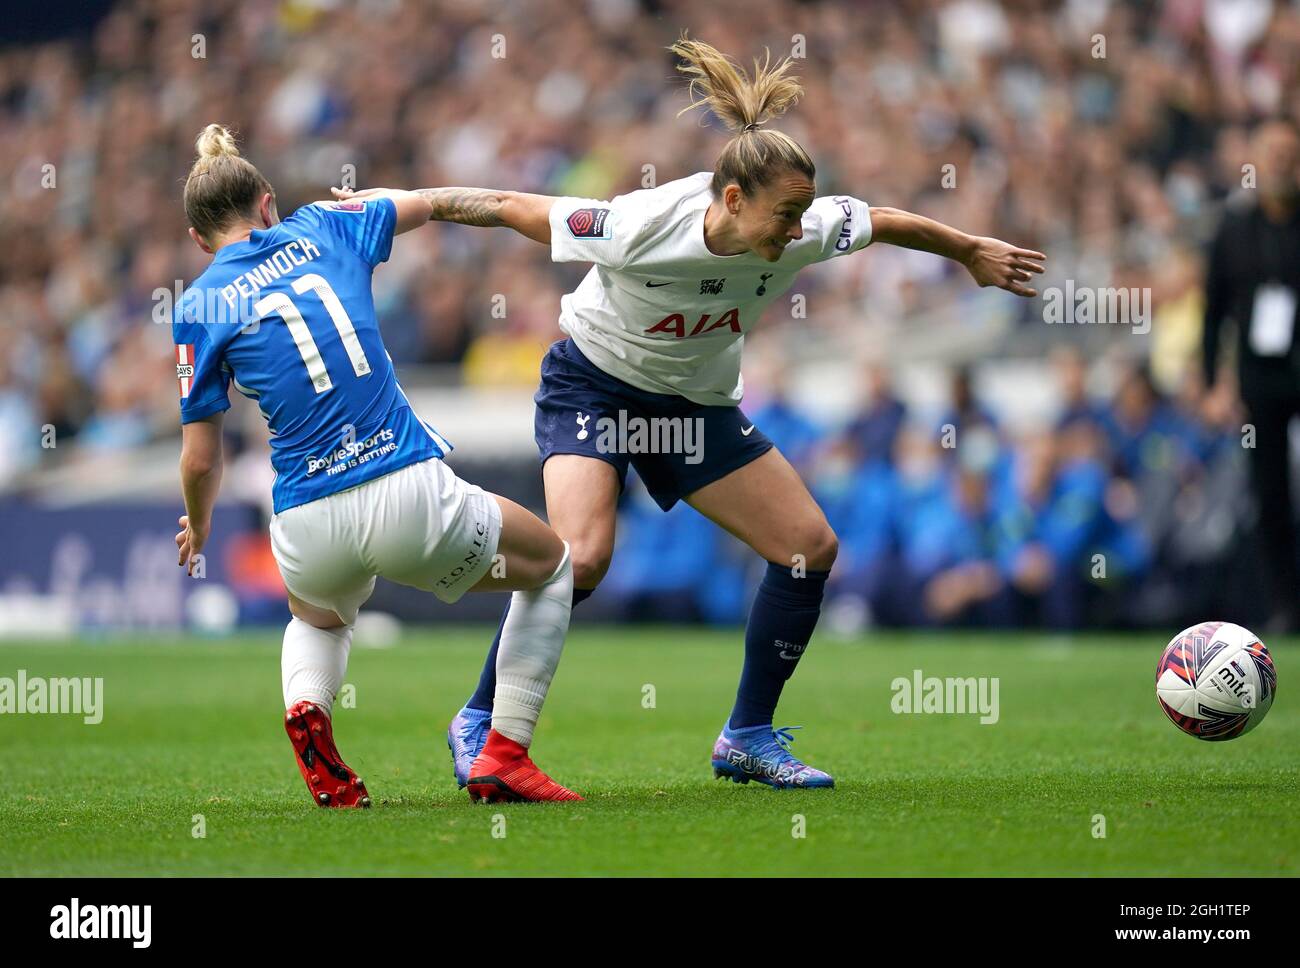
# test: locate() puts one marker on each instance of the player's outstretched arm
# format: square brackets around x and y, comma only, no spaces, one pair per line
[991,262]
[200,480]
[529,215]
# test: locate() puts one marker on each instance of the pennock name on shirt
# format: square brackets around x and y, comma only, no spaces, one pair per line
[280,263]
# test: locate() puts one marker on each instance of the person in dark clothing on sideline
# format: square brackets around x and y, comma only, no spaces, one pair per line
[1253,279]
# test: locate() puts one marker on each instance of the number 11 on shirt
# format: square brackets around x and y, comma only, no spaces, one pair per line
[280,303]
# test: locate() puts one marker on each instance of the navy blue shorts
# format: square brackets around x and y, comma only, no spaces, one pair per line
[676,446]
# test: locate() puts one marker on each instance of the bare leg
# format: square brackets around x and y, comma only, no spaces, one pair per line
[321,618]
[581,501]
[766,505]
[531,550]
[581,497]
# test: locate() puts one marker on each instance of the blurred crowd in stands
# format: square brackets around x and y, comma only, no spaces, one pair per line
[1106,134]
[1125,511]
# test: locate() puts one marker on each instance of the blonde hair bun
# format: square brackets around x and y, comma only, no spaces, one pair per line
[214,141]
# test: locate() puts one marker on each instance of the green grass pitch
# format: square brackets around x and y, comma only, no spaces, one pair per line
[193,728]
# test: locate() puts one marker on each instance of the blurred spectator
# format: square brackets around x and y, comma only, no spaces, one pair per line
[786,423]
[875,427]
[674,566]
[1253,278]
[1077,406]
[955,555]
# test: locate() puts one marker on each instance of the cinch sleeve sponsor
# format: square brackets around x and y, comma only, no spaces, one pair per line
[837,225]
[588,230]
[365,227]
[203,381]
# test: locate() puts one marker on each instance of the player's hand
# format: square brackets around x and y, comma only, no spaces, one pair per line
[943,596]
[190,540]
[1034,570]
[993,262]
[347,194]
[1220,407]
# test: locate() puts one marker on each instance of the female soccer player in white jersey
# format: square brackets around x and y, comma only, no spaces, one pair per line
[284,311]
[655,330]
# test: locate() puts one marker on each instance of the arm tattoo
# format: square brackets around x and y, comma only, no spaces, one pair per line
[468,206]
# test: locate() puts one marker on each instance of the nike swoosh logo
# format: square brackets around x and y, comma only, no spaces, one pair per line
[746,431]
[656,285]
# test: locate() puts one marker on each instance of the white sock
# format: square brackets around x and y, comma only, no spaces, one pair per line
[313,662]
[531,642]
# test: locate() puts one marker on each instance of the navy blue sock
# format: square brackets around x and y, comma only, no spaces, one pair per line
[487,679]
[781,622]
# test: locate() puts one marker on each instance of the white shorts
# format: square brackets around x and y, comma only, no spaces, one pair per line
[420,526]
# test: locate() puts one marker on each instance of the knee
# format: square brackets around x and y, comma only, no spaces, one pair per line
[318,618]
[590,561]
[820,548]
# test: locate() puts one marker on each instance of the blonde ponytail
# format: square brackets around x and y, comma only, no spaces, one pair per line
[215,140]
[222,187]
[721,85]
[744,103]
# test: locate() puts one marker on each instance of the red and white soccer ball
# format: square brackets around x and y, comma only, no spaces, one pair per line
[1216,681]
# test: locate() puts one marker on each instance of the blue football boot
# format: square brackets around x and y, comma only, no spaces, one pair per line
[762,753]
[465,738]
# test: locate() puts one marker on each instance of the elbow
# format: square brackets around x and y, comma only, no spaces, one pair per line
[529,215]
[509,205]
[198,466]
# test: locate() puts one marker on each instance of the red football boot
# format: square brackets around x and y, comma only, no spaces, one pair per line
[328,778]
[503,773]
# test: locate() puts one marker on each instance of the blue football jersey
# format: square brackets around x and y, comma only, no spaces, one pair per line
[289,319]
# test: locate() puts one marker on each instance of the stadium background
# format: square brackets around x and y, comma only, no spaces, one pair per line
[1076,441]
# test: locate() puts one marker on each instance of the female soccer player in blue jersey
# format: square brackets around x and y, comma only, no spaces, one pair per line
[655,331]
[284,311]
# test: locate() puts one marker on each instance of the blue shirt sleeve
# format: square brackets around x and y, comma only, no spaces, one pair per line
[201,372]
[365,227]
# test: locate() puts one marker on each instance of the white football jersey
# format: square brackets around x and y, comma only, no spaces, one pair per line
[660,311]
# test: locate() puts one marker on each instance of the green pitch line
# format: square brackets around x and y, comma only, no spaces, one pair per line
[191,739]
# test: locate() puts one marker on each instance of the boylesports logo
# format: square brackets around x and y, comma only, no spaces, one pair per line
[353,453]
[589,223]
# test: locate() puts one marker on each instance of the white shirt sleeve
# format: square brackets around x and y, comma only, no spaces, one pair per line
[835,225]
[588,230]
